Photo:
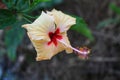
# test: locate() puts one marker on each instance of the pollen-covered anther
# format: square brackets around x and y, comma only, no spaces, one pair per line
[83,52]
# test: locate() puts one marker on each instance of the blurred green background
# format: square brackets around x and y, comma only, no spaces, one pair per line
[98,27]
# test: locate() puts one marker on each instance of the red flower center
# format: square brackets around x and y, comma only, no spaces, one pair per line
[54,36]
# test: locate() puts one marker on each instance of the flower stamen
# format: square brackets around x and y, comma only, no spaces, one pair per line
[82,52]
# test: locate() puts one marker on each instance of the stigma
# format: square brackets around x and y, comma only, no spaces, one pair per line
[83,54]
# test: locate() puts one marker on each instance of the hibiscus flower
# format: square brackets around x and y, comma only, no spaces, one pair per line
[48,34]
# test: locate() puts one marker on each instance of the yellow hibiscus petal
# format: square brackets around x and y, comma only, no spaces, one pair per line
[45,51]
[66,40]
[63,21]
[40,28]
[43,30]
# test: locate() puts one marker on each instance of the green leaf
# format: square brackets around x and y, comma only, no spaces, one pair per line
[13,38]
[82,28]
[42,4]
[22,5]
[6,18]
[35,5]
[8,3]
[107,22]
[50,3]
[38,1]
[57,1]
[115,8]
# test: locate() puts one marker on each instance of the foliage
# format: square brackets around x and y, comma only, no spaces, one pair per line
[109,21]
[82,28]
[11,20]
[6,16]
[19,12]
[115,8]
[13,38]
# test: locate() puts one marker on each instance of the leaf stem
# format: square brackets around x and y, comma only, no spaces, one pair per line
[30,16]
[27,19]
